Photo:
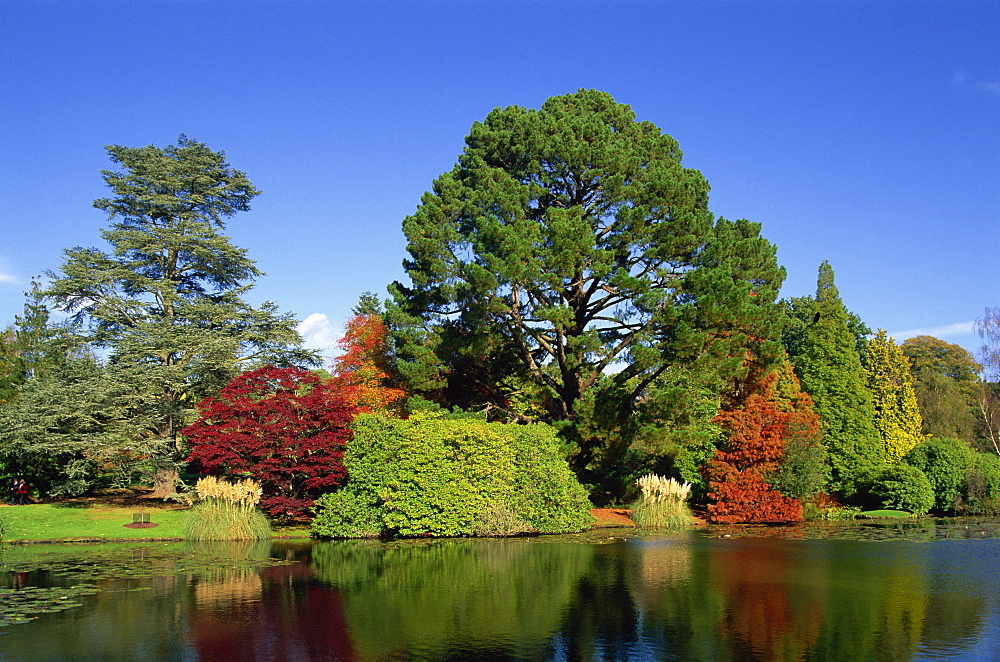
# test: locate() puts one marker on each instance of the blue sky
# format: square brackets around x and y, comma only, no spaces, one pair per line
[863,133]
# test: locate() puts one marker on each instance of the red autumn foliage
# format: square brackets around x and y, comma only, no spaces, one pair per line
[757,433]
[363,371]
[283,427]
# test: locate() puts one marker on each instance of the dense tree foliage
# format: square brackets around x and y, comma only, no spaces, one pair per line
[948,388]
[429,475]
[32,346]
[829,366]
[800,313]
[944,406]
[776,415]
[167,300]
[364,372]
[897,416]
[75,426]
[284,427]
[951,360]
[566,241]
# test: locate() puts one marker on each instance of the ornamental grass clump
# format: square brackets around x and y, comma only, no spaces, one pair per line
[227,511]
[663,503]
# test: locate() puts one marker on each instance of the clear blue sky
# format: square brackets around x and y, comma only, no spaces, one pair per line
[863,133]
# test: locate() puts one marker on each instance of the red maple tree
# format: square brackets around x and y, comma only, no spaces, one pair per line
[363,372]
[283,427]
[757,431]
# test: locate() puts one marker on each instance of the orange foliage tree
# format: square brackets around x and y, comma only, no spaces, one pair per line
[364,370]
[774,416]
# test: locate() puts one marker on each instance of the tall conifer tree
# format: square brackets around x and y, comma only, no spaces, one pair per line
[167,301]
[897,416]
[829,366]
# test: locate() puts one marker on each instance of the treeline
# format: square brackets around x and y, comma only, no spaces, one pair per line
[567,272]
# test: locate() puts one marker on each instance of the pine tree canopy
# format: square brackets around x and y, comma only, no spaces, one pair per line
[569,242]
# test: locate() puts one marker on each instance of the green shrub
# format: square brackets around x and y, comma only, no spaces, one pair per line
[897,487]
[347,514]
[981,487]
[428,475]
[499,520]
[965,481]
[945,462]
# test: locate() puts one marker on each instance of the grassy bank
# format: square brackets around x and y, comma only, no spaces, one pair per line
[59,522]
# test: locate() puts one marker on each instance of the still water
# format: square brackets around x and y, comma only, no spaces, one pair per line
[693,595]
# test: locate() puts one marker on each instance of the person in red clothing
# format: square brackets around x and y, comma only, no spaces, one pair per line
[22,493]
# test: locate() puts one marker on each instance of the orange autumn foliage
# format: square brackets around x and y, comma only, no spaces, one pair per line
[775,413]
[363,371]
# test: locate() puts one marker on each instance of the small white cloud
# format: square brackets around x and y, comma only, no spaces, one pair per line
[960,79]
[318,333]
[946,331]
[7,276]
[992,88]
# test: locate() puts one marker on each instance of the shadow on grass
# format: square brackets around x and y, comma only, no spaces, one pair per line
[71,504]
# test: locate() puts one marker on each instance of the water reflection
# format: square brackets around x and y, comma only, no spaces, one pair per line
[682,596]
[466,597]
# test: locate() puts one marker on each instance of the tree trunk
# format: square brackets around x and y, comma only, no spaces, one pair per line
[165,482]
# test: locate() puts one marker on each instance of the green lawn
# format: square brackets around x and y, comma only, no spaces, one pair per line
[47,521]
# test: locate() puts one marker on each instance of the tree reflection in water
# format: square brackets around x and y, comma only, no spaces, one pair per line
[680,596]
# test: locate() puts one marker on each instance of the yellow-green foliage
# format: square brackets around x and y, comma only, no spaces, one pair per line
[444,477]
[897,416]
[663,503]
[227,511]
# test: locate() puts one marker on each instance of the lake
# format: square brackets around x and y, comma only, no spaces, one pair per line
[916,590]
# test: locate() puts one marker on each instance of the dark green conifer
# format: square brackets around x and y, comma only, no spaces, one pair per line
[829,366]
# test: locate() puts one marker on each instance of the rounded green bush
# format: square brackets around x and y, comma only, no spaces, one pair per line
[945,462]
[900,487]
[434,476]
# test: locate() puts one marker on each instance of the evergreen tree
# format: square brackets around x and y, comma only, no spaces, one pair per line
[897,415]
[829,367]
[566,240]
[32,346]
[167,301]
[75,424]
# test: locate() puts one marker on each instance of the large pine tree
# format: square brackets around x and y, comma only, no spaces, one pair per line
[829,367]
[897,416]
[567,241]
